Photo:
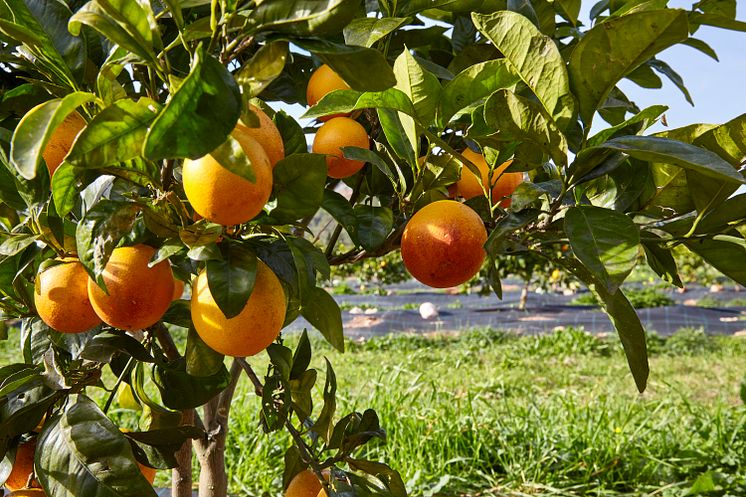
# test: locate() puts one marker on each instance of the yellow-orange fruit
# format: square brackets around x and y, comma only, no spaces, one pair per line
[224,197]
[442,245]
[138,295]
[27,492]
[335,134]
[267,135]
[61,298]
[253,329]
[304,484]
[323,81]
[23,466]
[503,184]
[178,289]
[61,141]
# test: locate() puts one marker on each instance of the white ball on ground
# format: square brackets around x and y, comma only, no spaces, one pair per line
[428,310]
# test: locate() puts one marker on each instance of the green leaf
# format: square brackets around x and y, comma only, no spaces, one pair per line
[673,76]
[422,86]
[35,129]
[180,390]
[661,261]
[353,64]
[474,84]
[391,480]
[606,242]
[520,119]
[322,311]
[535,58]
[723,252]
[293,137]
[115,135]
[81,452]
[614,48]
[232,156]
[345,101]
[365,31]
[727,140]
[644,118]
[128,23]
[263,68]
[677,153]
[301,356]
[103,226]
[304,17]
[231,279]
[401,133]
[200,114]
[325,423]
[158,447]
[44,26]
[201,360]
[373,225]
[703,47]
[298,187]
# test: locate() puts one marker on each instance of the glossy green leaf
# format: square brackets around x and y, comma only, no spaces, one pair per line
[725,253]
[606,242]
[520,119]
[263,68]
[345,101]
[535,58]
[474,84]
[130,24]
[703,47]
[81,452]
[293,137]
[232,156]
[304,17]
[661,260]
[673,76]
[158,447]
[231,279]
[200,114]
[373,225]
[201,360]
[321,310]
[612,49]
[353,64]
[401,133]
[298,187]
[180,390]
[422,86]
[103,226]
[644,119]
[677,153]
[115,135]
[365,31]
[325,422]
[35,129]
[727,140]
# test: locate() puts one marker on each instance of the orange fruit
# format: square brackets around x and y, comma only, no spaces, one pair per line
[27,492]
[224,197]
[138,295]
[61,298]
[304,484]
[253,329]
[442,244]
[178,289]
[61,141]
[335,134]
[267,135]
[503,184]
[23,467]
[323,81]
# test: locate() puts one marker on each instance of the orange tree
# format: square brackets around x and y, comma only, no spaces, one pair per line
[138,146]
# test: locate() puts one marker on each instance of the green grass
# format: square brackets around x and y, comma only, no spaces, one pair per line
[640,298]
[491,413]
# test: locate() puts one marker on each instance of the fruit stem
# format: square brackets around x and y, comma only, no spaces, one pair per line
[127,370]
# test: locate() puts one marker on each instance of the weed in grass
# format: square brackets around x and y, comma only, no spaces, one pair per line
[640,298]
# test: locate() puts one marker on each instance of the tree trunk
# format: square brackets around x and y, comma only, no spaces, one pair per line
[181,475]
[524,297]
[213,481]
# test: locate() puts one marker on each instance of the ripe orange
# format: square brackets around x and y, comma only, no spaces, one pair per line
[23,466]
[138,295]
[27,492]
[178,289]
[442,244]
[304,484]
[222,196]
[253,329]
[61,298]
[267,135]
[503,184]
[61,141]
[323,81]
[335,134]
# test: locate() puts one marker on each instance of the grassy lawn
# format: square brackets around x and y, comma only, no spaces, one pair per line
[490,413]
